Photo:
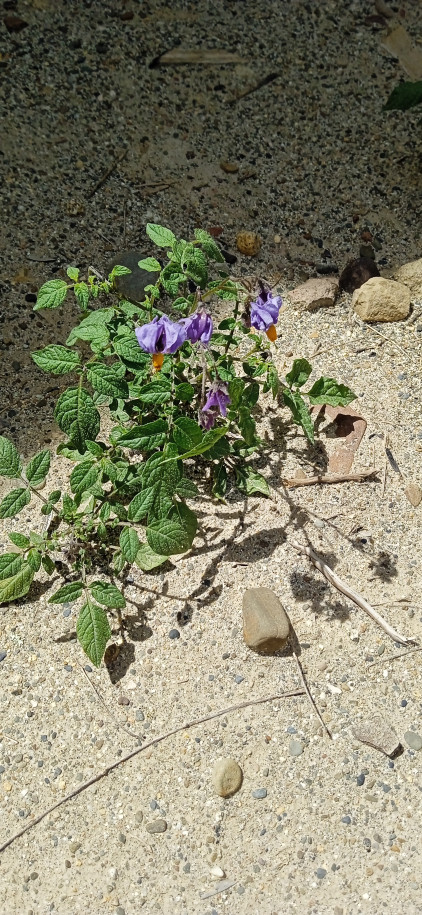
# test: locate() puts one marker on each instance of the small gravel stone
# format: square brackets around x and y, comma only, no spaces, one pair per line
[139,715]
[321,873]
[3,655]
[139,816]
[360,779]
[259,793]
[122,838]
[346,820]
[156,827]
[238,678]
[295,748]
[413,740]
[227,777]
[174,634]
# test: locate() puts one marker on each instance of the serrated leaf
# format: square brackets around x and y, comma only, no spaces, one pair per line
[73,273]
[171,278]
[143,502]
[36,539]
[186,489]
[82,294]
[155,393]
[10,565]
[299,373]
[118,562]
[19,540]
[84,476]
[107,594]
[184,391]
[209,440]
[194,263]
[34,560]
[119,270]
[147,437]
[300,412]
[404,96]
[92,327]
[105,511]
[186,518]
[186,433]
[14,502]
[209,245]
[147,559]
[37,469]
[163,238]
[129,543]
[93,631]
[56,359]
[150,264]
[51,294]
[10,462]
[250,481]
[76,415]
[67,593]
[329,391]
[107,379]
[247,425]
[127,347]
[16,586]
[168,537]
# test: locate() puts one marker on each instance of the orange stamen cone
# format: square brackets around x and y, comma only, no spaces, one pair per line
[157,361]
[271,333]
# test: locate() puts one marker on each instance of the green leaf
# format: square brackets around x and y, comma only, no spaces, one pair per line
[250,482]
[17,585]
[219,486]
[150,264]
[194,263]
[167,537]
[81,291]
[251,394]
[404,96]
[36,539]
[209,440]
[51,294]
[220,450]
[14,502]
[107,379]
[186,518]
[146,437]
[10,462]
[38,468]
[48,565]
[186,489]
[119,270]
[76,415]
[129,543]
[19,540]
[186,433]
[56,359]
[300,412]
[155,393]
[10,565]
[171,278]
[327,390]
[34,560]
[143,502]
[93,631]
[299,373]
[118,562]
[84,476]
[184,392]
[107,594]
[105,511]
[209,245]
[127,347]
[161,237]
[96,448]
[247,425]
[73,273]
[236,388]
[154,471]
[68,593]
[273,380]
[147,559]
[93,327]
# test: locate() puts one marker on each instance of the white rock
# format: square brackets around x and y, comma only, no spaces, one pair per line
[317,292]
[411,275]
[217,872]
[382,300]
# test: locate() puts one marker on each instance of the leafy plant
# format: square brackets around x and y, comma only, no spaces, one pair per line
[150,397]
[404,96]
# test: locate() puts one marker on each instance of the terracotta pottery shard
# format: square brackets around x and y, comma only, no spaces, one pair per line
[377,733]
[351,428]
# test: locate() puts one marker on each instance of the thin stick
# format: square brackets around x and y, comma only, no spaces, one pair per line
[332,478]
[384,476]
[392,657]
[311,699]
[151,743]
[107,173]
[109,712]
[352,595]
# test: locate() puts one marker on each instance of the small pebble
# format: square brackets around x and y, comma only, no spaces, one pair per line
[413,740]
[156,827]
[227,777]
[259,793]
[174,634]
[139,816]
[321,873]
[360,779]
[295,748]
[346,820]
[122,838]
[139,715]
[3,655]
[238,678]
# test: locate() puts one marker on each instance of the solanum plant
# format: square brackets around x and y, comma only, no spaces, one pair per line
[156,387]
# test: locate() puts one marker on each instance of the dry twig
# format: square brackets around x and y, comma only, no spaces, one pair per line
[109,712]
[107,173]
[332,478]
[310,697]
[151,743]
[392,657]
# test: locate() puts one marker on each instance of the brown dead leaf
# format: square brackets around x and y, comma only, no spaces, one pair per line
[349,426]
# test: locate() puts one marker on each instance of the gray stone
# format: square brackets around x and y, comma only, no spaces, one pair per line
[131,285]
[382,300]
[413,493]
[378,733]
[139,816]
[156,826]
[265,622]
[227,777]
[413,740]
[411,276]
[317,292]
[295,748]
[259,793]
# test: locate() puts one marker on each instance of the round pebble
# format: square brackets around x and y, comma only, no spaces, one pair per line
[321,873]
[156,827]
[295,748]
[174,634]
[259,793]
[227,777]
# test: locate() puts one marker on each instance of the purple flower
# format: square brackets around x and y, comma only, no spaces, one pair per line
[198,326]
[265,310]
[161,335]
[216,404]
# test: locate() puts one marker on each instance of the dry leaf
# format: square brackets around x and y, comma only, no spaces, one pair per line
[399,44]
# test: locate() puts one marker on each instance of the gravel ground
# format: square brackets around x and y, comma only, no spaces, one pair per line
[319,826]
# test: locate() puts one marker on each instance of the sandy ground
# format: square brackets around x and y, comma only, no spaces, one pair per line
[318,164]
